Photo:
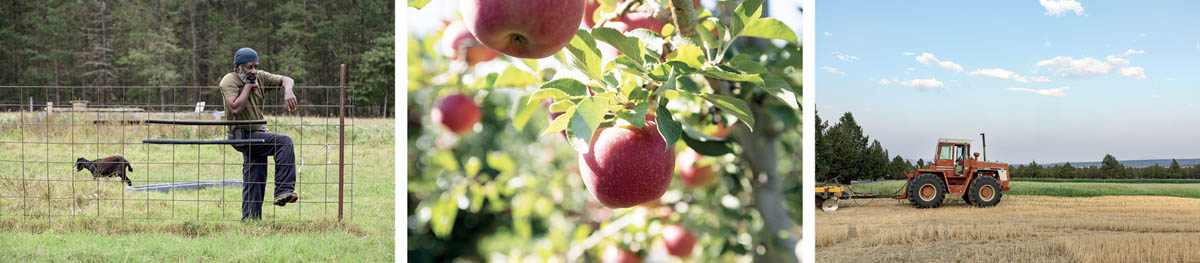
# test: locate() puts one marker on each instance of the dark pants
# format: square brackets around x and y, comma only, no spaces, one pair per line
[254,168]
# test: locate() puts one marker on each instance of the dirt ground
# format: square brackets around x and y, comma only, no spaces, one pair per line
[1020,229]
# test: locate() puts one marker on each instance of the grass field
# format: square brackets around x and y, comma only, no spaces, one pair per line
[50,212]
[1064,189]
[1022,228]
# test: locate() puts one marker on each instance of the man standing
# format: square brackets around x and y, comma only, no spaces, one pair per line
[243,93]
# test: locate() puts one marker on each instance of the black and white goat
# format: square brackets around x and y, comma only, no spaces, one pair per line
[112,166]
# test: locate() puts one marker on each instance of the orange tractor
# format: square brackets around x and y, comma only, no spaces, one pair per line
[954,173]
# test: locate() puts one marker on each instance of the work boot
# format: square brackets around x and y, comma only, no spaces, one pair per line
[284,198]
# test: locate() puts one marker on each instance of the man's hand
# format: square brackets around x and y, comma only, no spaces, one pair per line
[289,101]
[289,96]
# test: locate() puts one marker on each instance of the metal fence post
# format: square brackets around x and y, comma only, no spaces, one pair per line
[341,142]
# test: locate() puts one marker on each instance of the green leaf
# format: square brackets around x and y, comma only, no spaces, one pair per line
[559,124]
[650,39]
[734,106]
[769,28]
[514,77]
[730,76]
[418,4]
[751,9]
[667,126]
[532,63]
[744,63]
[636,116]
[571,86]
[561,106]
[584,56]
[684,83]
[486,82]
[444,210]
[523,109]
[589,113]
[779,88]
[709,147]
[625,62]
[629,46]
[689,54]
[541,94]
[736,24]
[610,80]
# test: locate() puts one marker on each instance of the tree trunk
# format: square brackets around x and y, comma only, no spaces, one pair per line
[760,154]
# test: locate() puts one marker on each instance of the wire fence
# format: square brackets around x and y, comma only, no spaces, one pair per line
[45,129]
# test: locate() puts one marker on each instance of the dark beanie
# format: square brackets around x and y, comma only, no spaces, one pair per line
[244,56]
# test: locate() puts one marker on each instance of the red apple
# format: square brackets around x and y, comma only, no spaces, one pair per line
[589,11]
[523,28]
[626,166]
[457,112]
[456,38]
[694,175]
[678,241]
[613,254]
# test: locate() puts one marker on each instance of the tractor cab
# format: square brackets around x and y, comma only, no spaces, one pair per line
[952,155]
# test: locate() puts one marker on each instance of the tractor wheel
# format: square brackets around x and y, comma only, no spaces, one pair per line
[967,199]
[820,200]
[830,204]
[926,191]
[984,191]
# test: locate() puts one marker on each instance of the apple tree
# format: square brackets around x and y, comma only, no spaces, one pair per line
[566,147]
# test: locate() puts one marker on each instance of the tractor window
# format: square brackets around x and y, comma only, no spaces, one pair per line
[945,153]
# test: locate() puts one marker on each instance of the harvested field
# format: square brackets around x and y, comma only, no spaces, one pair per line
[1020,229]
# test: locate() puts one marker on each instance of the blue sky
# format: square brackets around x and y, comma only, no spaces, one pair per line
[1047,80]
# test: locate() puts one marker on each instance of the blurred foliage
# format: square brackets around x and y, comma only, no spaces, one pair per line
[191,43]
[510,190]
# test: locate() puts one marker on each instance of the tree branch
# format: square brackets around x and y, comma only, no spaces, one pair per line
[684,16]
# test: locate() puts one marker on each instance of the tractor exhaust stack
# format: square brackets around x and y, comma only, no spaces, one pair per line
[984,146]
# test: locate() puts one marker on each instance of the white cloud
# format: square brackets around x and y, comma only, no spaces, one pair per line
[1041,79]
[833,70]
[844,57]
[930,59]
[1089,67]
[1000,74]
[1061,7]
[884,81]
[1197,46]
[923,84]
[907,53]
[1133,72]
[1055,92]
[828,34]
[1155,96]
[1133,52]
[911,68]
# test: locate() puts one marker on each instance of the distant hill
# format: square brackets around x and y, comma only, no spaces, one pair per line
[1133,163]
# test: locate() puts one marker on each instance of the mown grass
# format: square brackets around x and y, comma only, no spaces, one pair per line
[1065,189]
[50,212]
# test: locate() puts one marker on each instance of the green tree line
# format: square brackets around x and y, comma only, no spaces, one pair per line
[843,153]
[191,43]
[1109,168]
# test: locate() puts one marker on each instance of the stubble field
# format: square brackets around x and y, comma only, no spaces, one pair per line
[1021,229]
